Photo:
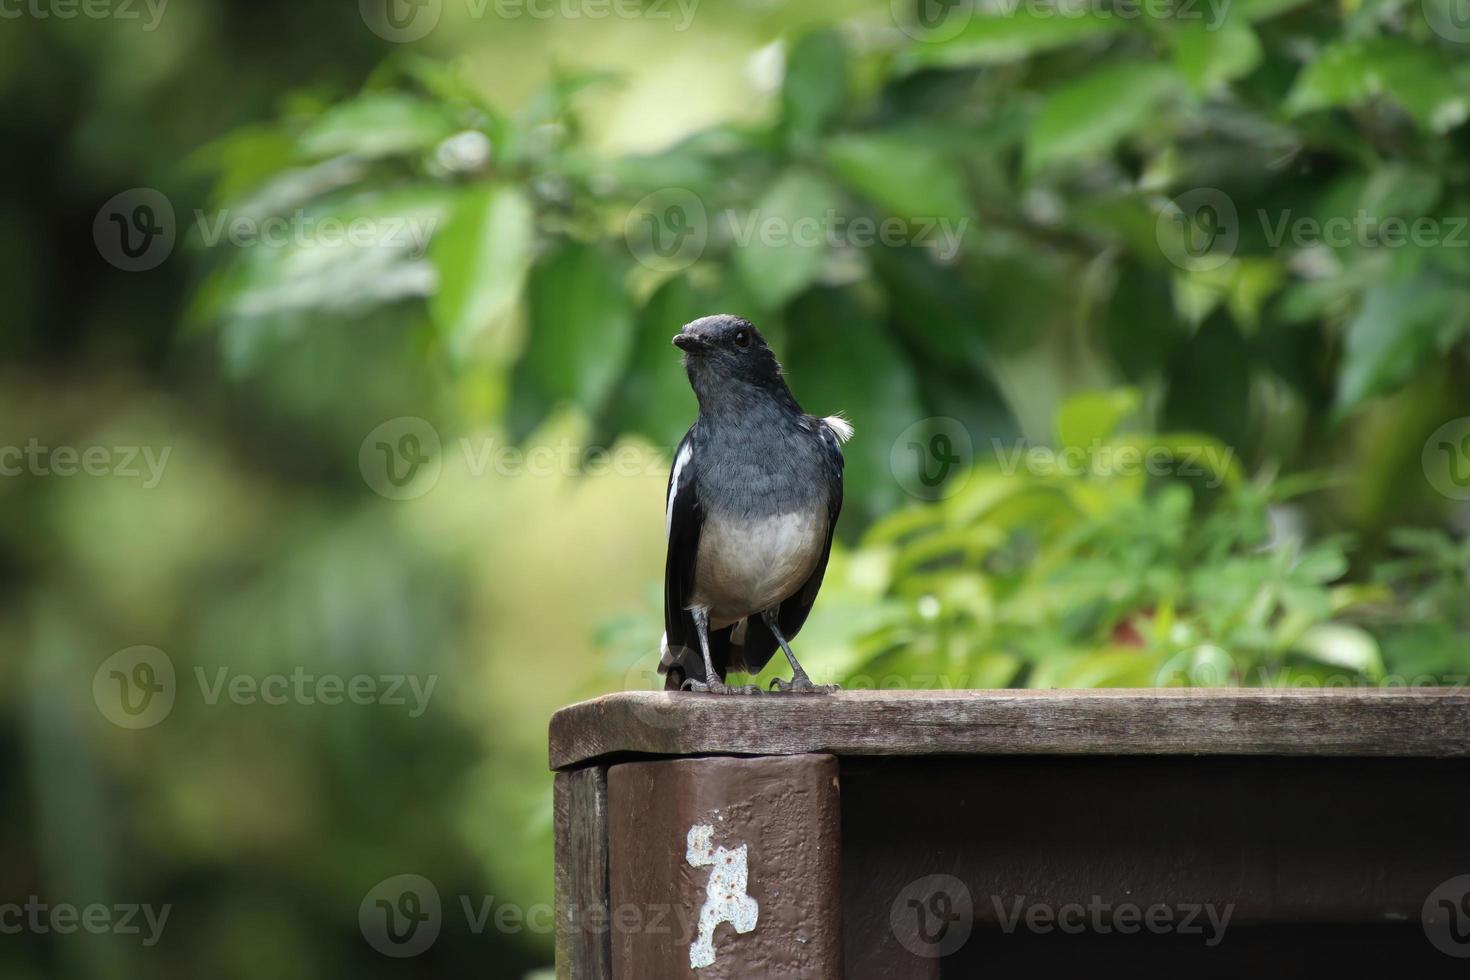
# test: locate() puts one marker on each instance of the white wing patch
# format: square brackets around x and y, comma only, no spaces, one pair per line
[683,460]
[840,427]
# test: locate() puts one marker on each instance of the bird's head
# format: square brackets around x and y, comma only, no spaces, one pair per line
[725,350]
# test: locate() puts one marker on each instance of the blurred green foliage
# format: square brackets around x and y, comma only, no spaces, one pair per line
[1111,232]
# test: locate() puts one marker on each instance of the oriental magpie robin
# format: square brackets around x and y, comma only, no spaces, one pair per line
[753,499]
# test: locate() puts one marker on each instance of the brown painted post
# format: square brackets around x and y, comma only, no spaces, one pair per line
[579,804]
[725,868]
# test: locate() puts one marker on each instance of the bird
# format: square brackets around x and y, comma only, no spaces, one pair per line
[753,497]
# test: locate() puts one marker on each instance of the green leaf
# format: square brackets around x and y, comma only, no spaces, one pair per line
[326,269]
[839,359]
[1010,37]
[1209,58]
[1088,116]
[376,125]
[1093,416]
[1259,10]
[1340,645]
[1396,330]
[481,257]
[581,325]
[901,172]
[1353,73]
[788,237]
[815,86]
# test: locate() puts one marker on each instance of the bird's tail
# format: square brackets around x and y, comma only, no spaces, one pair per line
[671,666]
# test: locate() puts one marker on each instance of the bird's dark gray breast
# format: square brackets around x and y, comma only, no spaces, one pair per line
[764,489]
[767,464]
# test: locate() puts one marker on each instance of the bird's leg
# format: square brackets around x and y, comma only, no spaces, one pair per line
[800,682]
[711,683]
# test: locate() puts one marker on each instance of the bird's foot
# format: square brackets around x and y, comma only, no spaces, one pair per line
[802,684]
[716,687]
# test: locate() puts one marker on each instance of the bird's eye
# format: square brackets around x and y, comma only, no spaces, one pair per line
[742,339]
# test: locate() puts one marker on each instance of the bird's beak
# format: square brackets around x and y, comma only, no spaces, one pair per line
[691,344]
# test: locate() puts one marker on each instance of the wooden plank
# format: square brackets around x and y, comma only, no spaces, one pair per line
[680,834]
[579,813]
[1430,722]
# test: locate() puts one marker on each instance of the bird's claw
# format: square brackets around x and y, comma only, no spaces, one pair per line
[802,684]
[715,687]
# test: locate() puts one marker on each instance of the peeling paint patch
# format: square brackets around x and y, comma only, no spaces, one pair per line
[725,897]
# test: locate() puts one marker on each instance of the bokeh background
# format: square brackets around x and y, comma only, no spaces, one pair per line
[1150,317]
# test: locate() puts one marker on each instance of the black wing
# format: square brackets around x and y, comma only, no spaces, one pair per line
[760,644]
[684,518]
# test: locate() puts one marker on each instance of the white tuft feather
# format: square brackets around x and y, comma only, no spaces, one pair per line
[679,464]
[840,427]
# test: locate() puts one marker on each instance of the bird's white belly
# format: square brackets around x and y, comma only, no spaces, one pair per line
[751,564]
